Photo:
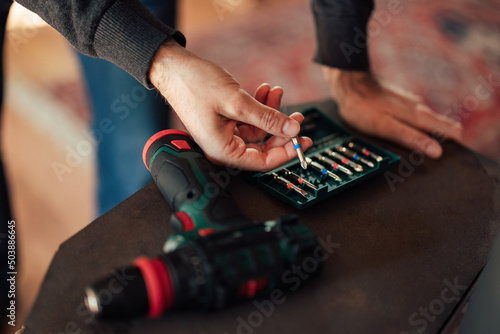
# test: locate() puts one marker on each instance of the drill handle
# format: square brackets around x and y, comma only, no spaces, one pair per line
[190,183]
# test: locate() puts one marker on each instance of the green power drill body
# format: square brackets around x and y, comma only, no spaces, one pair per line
[217,256]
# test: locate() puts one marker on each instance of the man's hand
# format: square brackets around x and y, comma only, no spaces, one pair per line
[219,114]
[271,97]
[385,112]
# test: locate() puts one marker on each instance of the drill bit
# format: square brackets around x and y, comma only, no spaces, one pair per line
[332,163]
[353,155]
[290,185]
[320,168]
[300,154]
[344,160]
[299,179]
[363,150]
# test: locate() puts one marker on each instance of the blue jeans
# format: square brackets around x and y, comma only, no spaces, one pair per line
[125,115]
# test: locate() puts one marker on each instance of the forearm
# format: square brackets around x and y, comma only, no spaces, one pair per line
[123,32]
[341,33]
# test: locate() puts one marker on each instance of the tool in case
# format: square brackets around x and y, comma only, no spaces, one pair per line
[336,161]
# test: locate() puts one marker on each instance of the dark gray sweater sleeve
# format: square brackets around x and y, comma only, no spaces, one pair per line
[121,31]
[341,33]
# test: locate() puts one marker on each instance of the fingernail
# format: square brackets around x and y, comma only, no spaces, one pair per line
[291,128]
[433,150]
[297,116]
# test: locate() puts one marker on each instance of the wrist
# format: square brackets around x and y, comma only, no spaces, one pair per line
[165,63]
[345,83]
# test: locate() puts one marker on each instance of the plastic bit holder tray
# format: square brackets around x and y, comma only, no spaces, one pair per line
[326,135]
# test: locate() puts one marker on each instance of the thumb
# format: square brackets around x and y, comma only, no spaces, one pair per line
[268,119]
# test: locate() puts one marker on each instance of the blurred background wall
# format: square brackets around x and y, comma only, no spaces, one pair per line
[441,50]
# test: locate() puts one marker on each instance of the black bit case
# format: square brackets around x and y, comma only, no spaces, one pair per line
[326,134]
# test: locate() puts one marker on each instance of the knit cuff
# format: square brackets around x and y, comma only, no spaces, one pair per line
[129,35]
[342,40]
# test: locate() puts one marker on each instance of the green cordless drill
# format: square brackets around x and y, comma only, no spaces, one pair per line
[216,256]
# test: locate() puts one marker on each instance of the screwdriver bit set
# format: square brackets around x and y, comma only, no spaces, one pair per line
[336,161]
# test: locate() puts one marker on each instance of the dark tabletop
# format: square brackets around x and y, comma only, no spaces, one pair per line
[402,258]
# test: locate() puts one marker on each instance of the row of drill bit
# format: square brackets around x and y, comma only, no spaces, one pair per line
[318,167]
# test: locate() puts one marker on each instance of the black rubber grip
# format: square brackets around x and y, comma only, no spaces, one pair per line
[175,170]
